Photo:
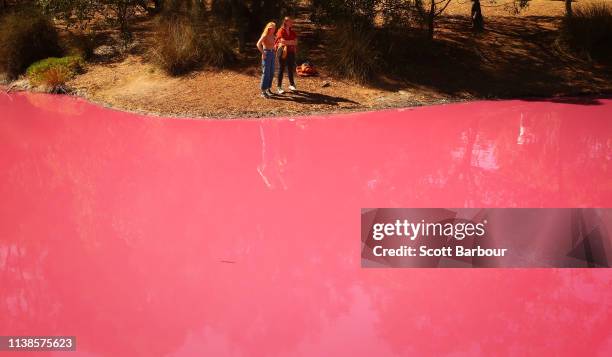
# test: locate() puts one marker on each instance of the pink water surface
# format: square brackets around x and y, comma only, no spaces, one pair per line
[151,236]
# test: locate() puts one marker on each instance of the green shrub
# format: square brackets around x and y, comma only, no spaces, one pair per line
[589,31]
[352,52]
[25,37]
[55,72]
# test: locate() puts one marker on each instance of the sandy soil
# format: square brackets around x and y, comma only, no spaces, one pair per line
[138,86]
[516,57]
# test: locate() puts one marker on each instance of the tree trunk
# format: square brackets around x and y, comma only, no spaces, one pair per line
[477,19]
[431,19]
[568,8]
[241,18]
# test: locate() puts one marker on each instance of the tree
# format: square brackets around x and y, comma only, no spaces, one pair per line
[568,8]
[429,10]
[396,12]
[75,13]
[79,13]
[514,6]
[188,7]
[249,16]
[124,11]
[355,11]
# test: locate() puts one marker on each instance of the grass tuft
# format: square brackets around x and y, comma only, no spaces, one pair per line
[589,31]
[353,52]
[55,72]
[176,48]
[179,48]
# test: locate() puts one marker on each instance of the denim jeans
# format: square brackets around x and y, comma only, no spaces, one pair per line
[267,69]
[289,62]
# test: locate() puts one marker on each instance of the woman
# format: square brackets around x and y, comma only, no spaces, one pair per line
[265,45]
[286,45]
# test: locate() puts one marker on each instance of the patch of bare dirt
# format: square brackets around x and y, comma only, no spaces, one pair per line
[135,85]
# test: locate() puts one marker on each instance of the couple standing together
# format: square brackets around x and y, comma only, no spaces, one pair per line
[281,44]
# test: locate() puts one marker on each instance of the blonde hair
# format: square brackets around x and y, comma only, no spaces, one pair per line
[268,27]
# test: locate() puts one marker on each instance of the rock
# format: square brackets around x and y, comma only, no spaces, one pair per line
[325,84]
[59,89]
[20,84]
[105,51]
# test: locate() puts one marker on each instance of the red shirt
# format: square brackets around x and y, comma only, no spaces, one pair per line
[287,35]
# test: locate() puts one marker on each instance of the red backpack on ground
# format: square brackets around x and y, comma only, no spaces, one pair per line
[306,70]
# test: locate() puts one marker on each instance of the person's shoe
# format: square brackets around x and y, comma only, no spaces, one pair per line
[265,94]
[292,88]
[280,90]
[269,91]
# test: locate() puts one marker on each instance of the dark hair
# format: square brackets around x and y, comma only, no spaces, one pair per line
[287,18]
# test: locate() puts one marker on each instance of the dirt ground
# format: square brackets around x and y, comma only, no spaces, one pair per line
[138,86]
[517,56]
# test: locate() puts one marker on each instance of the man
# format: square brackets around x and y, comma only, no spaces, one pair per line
[286,46]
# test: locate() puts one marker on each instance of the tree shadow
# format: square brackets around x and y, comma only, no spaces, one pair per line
[577,100]
[305,97]
[513,57]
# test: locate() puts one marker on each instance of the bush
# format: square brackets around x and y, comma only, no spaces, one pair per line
[55,72]
[176,47]
[216,47]
[25,37]
[352,52]
[589,31]
[179,49]
[55,79]
[404,47]
[83,44]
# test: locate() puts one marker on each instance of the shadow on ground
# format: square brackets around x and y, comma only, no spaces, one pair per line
[304,97]
[513,57]
[579,100]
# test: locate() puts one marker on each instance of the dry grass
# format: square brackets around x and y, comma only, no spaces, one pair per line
[177,47]
[56,77]
[216,46]
[352,52]
[589,31]
[181,46]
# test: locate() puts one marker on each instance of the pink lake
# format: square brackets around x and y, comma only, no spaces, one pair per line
[147,236]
